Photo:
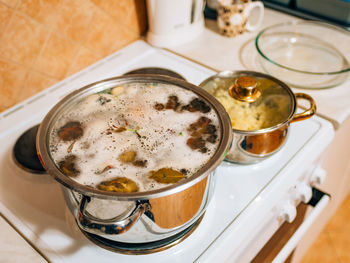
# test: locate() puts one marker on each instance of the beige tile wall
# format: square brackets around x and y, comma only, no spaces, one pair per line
[45,41]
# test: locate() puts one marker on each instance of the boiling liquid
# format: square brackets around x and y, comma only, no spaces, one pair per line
[129,121]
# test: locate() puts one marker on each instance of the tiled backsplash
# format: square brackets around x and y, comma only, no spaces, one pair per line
[43,42]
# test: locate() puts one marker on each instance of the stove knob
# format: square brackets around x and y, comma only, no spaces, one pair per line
[288,212]
[304,192]
[318,176]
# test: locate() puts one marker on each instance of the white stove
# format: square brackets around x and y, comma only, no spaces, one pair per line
[247,198]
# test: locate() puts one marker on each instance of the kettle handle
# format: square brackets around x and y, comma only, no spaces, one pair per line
[112,226]
[307,113]
[248,11]
[197,9]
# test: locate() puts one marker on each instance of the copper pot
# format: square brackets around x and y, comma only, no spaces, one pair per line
[136,217]
[261,108]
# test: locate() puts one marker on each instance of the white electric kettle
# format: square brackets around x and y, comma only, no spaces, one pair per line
[173,22]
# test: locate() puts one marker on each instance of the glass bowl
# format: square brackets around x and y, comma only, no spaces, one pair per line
[305,54]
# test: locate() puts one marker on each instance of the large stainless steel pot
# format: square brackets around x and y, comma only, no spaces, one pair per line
[249,97]
[136,217]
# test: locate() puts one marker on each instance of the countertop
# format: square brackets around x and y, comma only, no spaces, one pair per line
[221,53]
[217,52]
[225,53]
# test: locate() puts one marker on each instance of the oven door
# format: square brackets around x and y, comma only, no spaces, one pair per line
[280,247]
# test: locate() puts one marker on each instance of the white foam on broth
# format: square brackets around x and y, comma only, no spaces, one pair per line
[157,136]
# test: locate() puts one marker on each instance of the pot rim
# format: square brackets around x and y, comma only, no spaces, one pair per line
[45,126]
[227,73]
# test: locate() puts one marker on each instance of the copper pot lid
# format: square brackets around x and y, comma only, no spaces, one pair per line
[254,101]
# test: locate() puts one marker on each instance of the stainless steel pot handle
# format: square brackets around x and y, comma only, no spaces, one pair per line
[112,226]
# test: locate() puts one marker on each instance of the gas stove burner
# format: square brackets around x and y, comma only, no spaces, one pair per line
[156,71]
[25,154]
[142,248]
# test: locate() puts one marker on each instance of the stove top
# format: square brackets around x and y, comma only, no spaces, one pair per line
[34,203]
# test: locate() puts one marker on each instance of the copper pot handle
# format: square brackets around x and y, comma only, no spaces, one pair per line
[112,226]
[307,113]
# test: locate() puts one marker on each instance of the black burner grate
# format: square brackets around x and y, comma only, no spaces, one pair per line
[25,153]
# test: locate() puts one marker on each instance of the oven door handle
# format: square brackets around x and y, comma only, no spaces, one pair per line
[319,201]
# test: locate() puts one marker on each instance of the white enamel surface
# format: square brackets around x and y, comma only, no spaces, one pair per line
[14,245]
[245,195]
